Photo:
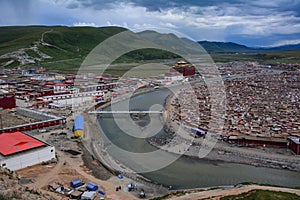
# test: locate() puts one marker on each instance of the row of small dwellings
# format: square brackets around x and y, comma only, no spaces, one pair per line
[33,84]
[45,120]
[292,143]
[43,97]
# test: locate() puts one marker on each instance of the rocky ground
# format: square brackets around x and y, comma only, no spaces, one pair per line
[9,118]
[10,188]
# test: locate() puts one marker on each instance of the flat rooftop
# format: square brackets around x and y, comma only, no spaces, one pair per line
[11,143]
[295,140]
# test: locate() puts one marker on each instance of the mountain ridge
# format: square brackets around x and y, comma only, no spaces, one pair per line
[63,47]
[232,47]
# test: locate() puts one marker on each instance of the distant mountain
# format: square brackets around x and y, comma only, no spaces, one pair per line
[65,48]
[230,47]
[224,47]
[289,47]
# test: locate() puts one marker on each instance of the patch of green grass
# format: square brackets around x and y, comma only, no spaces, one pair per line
[4,60]
[15,63]
[142,69]
[263,195]
[267,58]
[68,65]
[170,195]
[32,53]
[180,193]
[78,41]
[13,38]
[146,54]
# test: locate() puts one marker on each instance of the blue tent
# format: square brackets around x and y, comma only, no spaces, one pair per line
[92,187]
[120,176]
[76,183]
[101,192]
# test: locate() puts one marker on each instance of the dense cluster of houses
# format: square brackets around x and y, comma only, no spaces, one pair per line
[262,106]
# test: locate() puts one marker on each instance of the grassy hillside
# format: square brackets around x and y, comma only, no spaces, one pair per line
[76,41]
[13,38]
[146,54]
[65,48]
[62,48]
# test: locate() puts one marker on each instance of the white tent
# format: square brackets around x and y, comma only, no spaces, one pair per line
[88,195]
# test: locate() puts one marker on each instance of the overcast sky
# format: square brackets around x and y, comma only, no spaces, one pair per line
[253,22]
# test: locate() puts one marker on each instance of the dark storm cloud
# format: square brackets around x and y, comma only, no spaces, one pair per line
[153,5]
[16,9]
[157,5]
[254,23]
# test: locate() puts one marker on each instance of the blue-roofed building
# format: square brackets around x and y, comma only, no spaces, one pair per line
[76,183]
[198,132]
[79,126]
[92,187]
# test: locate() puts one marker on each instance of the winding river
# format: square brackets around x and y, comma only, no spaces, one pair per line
[187,172]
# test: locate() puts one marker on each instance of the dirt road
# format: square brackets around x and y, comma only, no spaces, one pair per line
[218,193]
[69,168]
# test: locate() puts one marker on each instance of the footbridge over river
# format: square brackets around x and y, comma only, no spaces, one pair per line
[126,112]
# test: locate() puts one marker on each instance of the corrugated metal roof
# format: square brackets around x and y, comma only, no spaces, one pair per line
[15,142]
[75,182]
[79,123]
[295,140]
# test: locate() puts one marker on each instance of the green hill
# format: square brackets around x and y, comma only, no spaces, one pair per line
[55,46]
[65,48]
[61,47]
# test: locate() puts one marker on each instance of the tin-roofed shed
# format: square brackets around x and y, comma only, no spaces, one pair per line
[79,126]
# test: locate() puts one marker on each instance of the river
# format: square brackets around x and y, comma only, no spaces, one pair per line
[186,172]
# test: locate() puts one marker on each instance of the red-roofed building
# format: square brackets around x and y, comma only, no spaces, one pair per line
[7,101]
[19,150]
[184,68]
[69,82]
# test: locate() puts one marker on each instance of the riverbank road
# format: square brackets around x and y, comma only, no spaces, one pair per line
[221,192]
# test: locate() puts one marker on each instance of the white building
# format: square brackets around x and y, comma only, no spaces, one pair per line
[173,76]
[88,195]
[19,150]
[73,99]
